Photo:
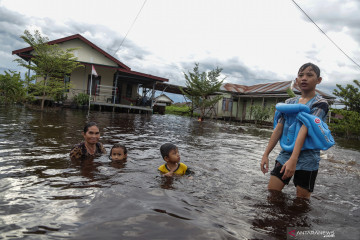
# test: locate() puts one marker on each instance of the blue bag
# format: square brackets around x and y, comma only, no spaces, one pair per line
[319,135]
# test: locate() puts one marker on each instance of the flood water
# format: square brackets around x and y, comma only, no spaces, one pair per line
[44,196]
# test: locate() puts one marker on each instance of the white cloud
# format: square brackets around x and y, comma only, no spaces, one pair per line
[252,40]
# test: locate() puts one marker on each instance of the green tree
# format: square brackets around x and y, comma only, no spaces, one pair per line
[346,123]
[81,99]
[350,96]
[11,87]
[261,114]
[201,88]
[50,63]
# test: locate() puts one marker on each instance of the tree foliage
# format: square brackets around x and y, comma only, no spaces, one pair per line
[50,63]
[81,99]
[261,113]
[350,96]
[11,88]
[346,123]
[201,88]
[183,110]
[53,88]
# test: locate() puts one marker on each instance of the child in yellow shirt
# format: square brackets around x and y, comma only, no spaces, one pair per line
[171,156]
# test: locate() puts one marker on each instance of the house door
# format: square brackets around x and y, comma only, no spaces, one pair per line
[95,85]
[117,83]
[244,110]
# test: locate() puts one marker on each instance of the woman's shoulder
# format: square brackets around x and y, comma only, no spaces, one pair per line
[78,146]
[78,150]
[100,147]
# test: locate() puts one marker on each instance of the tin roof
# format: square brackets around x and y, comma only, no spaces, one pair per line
[266,89]
[25,53]
[258,88]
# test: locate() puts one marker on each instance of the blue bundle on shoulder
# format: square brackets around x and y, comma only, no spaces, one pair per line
[319,135]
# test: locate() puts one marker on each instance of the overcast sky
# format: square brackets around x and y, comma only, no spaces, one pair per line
[253,41]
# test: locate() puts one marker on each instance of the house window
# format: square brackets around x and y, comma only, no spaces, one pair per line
[95,85]
[66,82]
[227,104]
[128,90]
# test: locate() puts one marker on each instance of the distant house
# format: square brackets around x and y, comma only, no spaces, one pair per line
[237,100]
[116,84]
[163,99]
[161,102]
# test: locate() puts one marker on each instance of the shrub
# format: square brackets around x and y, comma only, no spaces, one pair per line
[183,110]
[11,88]
[345,123]
[261,114]
[82,99]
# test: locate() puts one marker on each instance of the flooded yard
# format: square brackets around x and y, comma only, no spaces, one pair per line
[44,196]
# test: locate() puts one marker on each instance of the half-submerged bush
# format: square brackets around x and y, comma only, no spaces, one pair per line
[81,99]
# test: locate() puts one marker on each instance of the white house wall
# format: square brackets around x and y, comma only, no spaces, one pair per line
[163,99]
[234,108]
[79,80]
[134,92]
[238,107]
[79,77]
[85,53]
[220,112]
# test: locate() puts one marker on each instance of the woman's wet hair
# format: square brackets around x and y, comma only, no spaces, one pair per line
[89,125]
[315,68]
[166,148]
[118,146]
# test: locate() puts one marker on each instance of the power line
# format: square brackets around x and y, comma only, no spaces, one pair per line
[130,28]
[326,34]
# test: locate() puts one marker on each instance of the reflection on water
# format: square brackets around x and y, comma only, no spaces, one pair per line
[43,195]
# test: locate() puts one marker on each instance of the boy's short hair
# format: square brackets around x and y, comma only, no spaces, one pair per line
[166,148]
[315,68]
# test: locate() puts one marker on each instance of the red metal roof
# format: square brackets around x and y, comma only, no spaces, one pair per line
[143,75]
[24,52]
[76,36]
[258,88]
[266,88]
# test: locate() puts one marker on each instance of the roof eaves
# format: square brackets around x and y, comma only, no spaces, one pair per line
[75,36]
[144,75]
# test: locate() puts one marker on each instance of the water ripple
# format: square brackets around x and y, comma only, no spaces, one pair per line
[43,195]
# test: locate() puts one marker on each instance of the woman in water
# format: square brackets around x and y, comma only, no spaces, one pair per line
[90,147]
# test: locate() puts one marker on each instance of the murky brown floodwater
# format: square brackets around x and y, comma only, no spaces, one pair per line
[42,196]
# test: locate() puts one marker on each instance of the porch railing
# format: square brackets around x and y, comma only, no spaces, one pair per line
[105,93]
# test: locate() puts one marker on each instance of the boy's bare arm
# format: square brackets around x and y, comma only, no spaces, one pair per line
[275,136]
[290,166]
[169,174]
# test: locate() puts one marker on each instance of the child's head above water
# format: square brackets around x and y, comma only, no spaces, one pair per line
[170,153]
[166,148]
[118,153]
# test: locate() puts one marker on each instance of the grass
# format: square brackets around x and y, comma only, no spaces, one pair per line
[182,110]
